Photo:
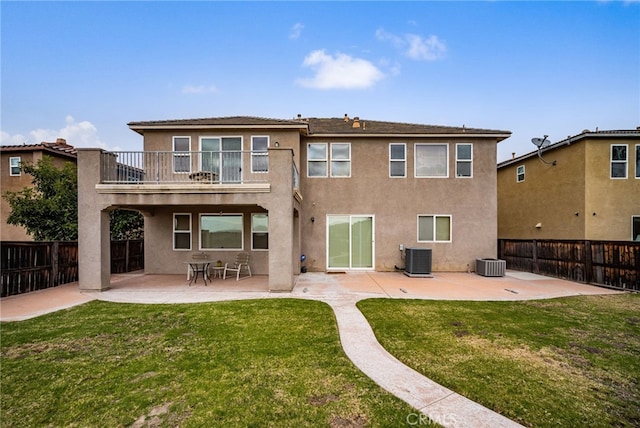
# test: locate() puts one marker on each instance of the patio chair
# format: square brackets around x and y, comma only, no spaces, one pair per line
[197,257]
[241,264]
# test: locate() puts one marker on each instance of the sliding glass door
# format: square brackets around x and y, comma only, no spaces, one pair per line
[350,241]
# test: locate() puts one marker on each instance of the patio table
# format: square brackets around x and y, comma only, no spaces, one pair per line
[199,267]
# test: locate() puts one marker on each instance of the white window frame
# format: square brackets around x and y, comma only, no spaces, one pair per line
[17,160]
[403,160]
[182,231]
[342,161]
[416,159]
[617,161]
[637,153]
[175,156]
[201,248]
[633,220]
[469,161]
[435,229]
[324,160]
[254,232]
[518,173]
[257,154]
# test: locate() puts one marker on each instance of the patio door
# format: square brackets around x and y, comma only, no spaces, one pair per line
[222,156]
[350,241]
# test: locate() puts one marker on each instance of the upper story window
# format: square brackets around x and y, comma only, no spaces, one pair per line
[434,228]
[317,160]
[259,155]
[432,160]
[397,160]
[618,161]
[637,160]
[181,154]
[14,166]
[520,173]
[341,159]
[182,231]
[464,160]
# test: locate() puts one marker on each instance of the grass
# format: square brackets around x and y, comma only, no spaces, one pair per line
[251,363]
[562,362]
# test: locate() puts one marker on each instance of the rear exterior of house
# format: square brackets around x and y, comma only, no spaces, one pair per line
[13,179]
[584,187]
[346,193]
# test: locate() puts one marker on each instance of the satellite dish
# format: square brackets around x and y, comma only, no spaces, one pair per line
[541,142]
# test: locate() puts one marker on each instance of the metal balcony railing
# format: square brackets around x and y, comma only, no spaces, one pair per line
[233,167]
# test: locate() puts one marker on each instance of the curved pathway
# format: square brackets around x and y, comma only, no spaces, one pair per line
[341,292]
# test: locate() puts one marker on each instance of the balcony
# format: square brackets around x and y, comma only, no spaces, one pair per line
[185,167]
[201,171]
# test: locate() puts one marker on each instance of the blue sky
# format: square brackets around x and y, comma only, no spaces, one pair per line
[82,70]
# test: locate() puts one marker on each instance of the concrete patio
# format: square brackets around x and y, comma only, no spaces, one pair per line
[352,286]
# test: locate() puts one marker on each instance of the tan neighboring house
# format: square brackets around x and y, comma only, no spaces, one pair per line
[13,179]
[345,192]
[584,187]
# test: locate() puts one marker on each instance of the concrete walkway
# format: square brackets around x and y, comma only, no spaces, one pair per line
[341,292]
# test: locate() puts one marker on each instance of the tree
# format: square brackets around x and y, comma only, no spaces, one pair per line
[126,224]
[49,209]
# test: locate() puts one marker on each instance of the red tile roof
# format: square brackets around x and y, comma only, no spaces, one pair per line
[60,147]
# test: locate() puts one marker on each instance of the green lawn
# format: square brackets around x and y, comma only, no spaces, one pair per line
[250,363]
[564,362]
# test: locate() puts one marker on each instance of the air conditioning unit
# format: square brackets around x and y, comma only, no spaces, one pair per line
[417,262]
[491,267]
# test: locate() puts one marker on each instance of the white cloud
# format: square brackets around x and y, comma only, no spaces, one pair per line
[7,139]
[339,72]
[202,89]
[414,46]
[429,49]
[296,30]
[77,134]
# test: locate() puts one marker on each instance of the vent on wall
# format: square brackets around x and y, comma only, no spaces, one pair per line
[418,262]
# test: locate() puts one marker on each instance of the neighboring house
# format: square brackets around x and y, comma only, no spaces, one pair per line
[584,187]
[13,179]
[346,193]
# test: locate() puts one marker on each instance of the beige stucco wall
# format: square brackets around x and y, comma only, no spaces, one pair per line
[614,201]
[550,195]
[396,202]
[161,258]
[579,183]
[8,182]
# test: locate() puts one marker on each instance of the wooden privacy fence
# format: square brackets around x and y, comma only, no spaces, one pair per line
[31,266]
[613,264]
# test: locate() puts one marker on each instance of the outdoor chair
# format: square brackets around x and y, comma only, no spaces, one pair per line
[240,265]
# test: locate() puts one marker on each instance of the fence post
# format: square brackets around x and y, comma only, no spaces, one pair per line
[55,248]
[588,262]
[536,269]
[126,256]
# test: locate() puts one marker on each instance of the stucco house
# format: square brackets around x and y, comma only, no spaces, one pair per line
[584,187]
[13,179]
[347,193]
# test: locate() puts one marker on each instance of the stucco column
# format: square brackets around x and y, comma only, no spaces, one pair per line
[281,236]
[94,246]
